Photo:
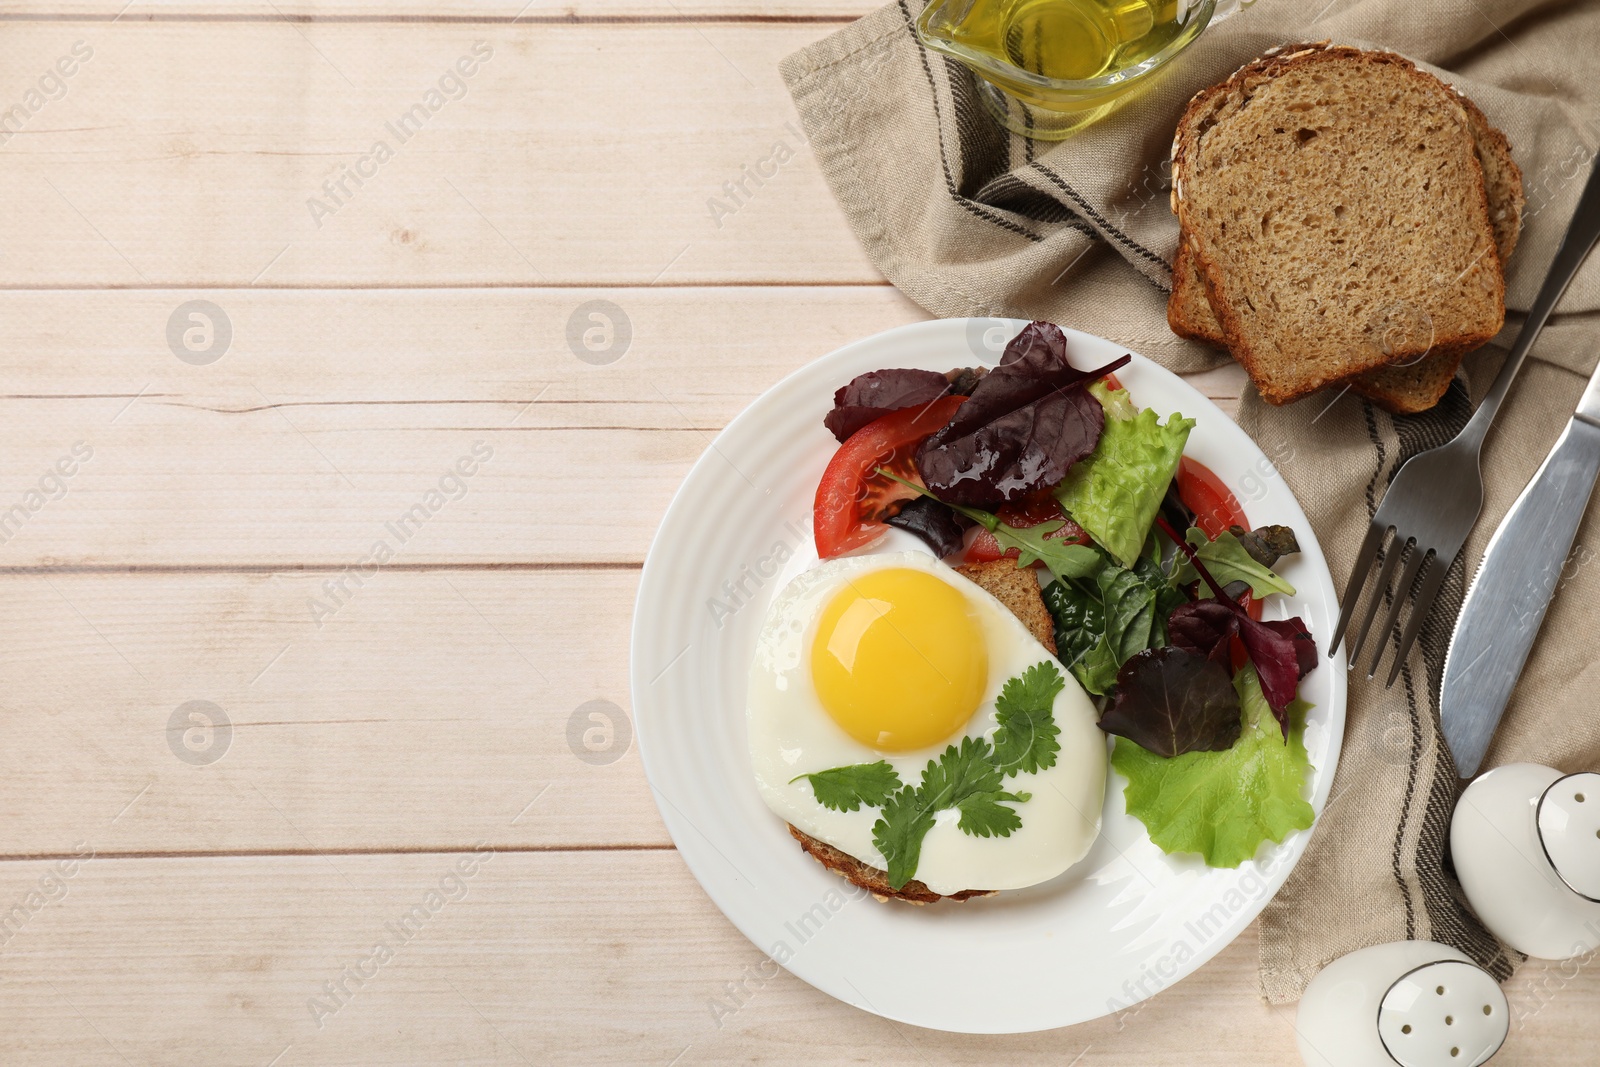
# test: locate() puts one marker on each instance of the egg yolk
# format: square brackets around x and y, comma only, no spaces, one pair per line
[899,660]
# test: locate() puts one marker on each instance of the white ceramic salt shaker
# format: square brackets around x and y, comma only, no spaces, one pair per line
[1412,1003]
[1526,842]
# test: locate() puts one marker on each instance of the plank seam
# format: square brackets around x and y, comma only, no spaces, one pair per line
[23,570]
[243,286]
[420,850]
[427,20]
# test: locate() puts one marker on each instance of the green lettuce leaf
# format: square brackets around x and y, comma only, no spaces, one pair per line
[1224,804]
[1228,562]
[1115,493]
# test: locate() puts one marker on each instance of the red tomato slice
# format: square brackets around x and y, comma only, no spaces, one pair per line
[1202,492]
[1111,381]
[851,497]
[1215,509]
[1031,512]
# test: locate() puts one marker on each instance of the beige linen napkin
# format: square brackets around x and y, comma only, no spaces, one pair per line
[968,219]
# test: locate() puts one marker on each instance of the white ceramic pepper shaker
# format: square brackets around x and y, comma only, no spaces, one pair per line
[1412,1003]
[1526,842]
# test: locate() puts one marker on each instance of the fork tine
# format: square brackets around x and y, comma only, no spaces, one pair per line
[1416,555]
[1431,581]
[1391,561]
[1358,578]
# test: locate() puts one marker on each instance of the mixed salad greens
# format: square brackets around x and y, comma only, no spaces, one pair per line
[1154,580]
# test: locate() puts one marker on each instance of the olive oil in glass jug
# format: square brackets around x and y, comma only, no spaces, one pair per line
[1047,68]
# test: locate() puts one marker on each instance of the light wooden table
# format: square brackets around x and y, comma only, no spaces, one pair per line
[184,522]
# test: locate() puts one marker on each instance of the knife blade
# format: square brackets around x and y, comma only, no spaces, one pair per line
[1508,598]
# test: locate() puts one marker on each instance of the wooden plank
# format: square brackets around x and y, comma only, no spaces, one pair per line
[553,959]
[402,710]
[331,414]
[532,12]
[580,154]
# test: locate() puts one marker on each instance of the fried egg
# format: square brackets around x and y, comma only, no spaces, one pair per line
[895,657]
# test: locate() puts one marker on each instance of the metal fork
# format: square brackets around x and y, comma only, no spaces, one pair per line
[1434,499]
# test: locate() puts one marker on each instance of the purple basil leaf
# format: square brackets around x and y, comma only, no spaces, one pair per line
[939,527]
[1305,646]
[875,394]
[1204,627]
[1171,701]
[1277,661]
[1174,510]
[1025,424]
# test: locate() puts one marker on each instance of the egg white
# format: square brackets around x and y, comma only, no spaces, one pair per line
[792,734]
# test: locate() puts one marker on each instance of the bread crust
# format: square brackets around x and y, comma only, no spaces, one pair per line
[1401,390]
[1018,589]
[1214,104]
[1387,387]
[872,879]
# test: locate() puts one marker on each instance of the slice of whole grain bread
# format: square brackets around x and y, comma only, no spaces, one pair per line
[1418,384]
[1360,234]
[1018,589]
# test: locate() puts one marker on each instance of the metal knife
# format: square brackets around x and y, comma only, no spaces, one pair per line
[1521,569]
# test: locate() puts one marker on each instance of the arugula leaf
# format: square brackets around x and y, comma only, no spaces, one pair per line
[1223,805]
[964,778]
[1061,559]
[1170,701]
[847,788]
[1026,741]
[1228,562]
[1115,493]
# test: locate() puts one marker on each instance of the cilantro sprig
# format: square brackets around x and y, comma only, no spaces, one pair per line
[968,777]
[847,788]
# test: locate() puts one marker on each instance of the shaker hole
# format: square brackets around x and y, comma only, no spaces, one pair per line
[1488,1010]
[1440,991]
[1406,1029]
[1449,1020]
[1578,797]
[1455,1052]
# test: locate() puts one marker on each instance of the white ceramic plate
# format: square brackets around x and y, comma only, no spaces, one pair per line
[1118,927]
